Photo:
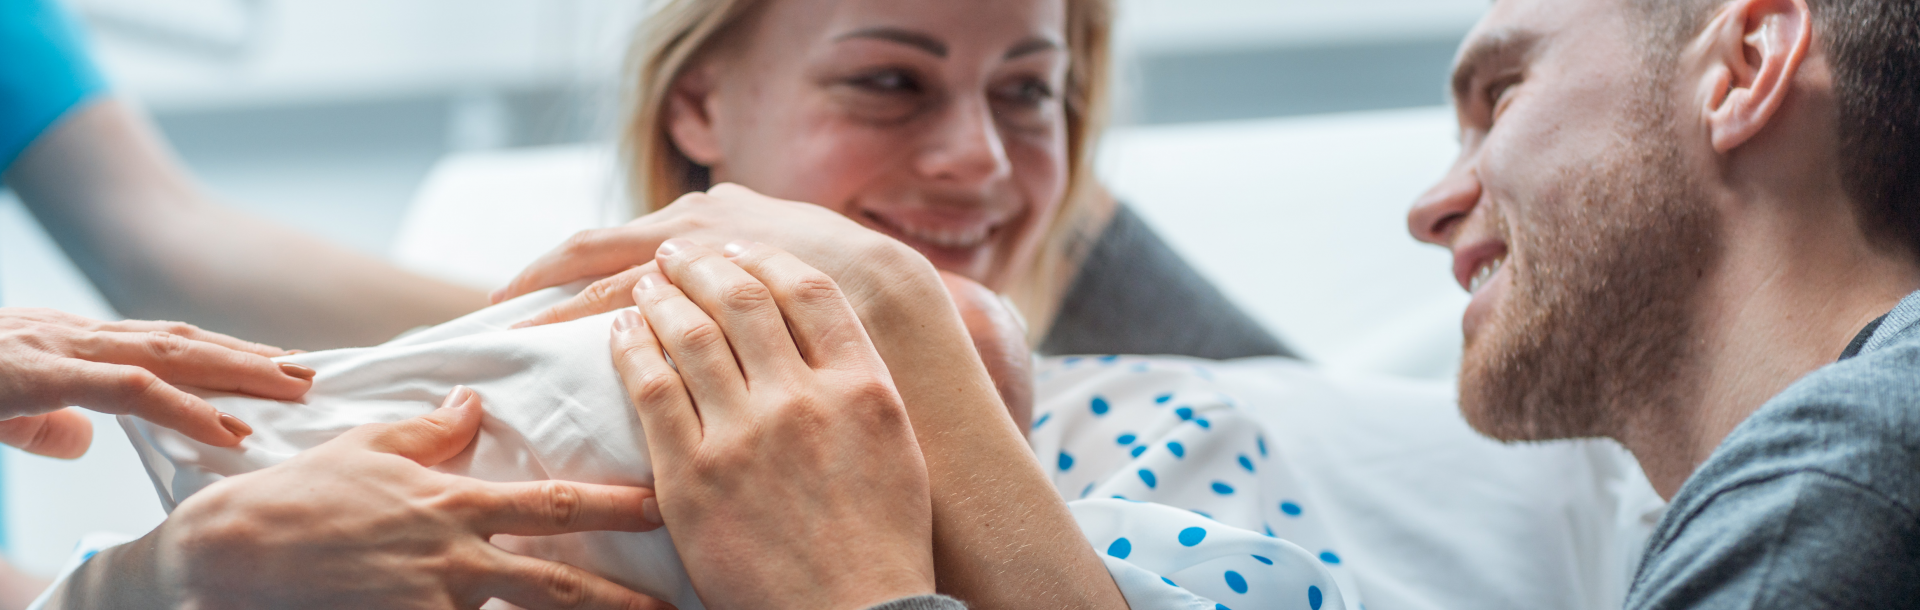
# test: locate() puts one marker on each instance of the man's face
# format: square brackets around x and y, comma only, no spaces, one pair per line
[1573,219]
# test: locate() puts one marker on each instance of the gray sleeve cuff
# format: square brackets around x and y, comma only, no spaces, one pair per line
[922,602]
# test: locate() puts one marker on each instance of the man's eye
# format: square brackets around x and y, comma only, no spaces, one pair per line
[1497,96]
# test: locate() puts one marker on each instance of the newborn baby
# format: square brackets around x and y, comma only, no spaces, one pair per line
[556,409]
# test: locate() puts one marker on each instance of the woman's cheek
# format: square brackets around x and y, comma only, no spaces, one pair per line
[832,168]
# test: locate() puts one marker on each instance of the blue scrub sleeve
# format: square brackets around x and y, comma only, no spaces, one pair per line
[44,71]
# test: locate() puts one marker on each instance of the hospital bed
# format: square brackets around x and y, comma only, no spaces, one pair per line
[1301,220]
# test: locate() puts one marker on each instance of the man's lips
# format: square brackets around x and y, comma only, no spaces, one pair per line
[1474,265]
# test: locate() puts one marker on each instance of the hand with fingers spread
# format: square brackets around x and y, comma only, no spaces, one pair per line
[783,458]
[361,522]
[50,360]
[1004,537]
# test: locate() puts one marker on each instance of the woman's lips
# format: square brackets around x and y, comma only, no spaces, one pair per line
[938,236]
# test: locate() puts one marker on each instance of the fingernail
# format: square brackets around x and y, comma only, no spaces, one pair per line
[650,510]
[669,247]
[295,352]
[736,248]
[457,397]
[298,372]
[626,321]
[496,296]
[234,425]
[652,280]
[521,324]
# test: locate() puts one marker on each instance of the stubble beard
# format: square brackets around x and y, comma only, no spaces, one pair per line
[1596,329]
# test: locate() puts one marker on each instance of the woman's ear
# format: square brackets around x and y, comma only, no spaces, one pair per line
[1752,51]
[689,115]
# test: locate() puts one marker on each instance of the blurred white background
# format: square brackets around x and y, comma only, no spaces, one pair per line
[330,114]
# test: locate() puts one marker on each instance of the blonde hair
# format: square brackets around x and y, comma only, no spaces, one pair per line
[680,32]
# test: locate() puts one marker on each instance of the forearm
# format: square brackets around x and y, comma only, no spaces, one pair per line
[251,278]
[109,191]
[1003,537]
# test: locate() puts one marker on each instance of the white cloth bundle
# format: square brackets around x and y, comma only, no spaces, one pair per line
[556,410]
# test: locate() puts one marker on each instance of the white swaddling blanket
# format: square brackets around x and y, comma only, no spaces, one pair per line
[556,410]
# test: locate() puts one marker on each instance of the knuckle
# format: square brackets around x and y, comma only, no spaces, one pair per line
[582,242]
[165,346]
[656,387]
[701,337]
[603,291]
[137,382]
[566,586]
[560,503]
[178,328]
[815,288]
[745,297]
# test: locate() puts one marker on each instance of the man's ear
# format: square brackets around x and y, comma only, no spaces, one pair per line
[1752,50]
[689,115]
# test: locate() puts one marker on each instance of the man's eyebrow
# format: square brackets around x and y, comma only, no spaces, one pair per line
[1031,46]
[907,37]
[1501,46]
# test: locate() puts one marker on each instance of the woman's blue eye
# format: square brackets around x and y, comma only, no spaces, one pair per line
[1031,92]
[889,81]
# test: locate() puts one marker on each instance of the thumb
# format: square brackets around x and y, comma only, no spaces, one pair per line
[432,438]
[64,434]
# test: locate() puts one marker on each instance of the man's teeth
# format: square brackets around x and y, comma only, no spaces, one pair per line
[1484,273]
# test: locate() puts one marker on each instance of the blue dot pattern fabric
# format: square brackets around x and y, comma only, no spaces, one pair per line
[47,72]
[1188,502]
[1156,568]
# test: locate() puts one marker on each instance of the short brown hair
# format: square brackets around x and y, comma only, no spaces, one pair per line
[1875,51]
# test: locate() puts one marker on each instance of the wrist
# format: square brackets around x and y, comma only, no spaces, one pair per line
[882,588]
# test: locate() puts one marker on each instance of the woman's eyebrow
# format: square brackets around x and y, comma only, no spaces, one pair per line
[1031,46]
[907,37]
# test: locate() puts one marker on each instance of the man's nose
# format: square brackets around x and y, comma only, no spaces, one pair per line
[1437,214]
[966,147]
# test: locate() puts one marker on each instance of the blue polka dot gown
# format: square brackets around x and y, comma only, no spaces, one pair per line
[1179,491]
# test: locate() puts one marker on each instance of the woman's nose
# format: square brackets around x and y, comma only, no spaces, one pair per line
[965,146]
[1436,215]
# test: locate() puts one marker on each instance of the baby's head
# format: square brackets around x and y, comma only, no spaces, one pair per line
[1000,338]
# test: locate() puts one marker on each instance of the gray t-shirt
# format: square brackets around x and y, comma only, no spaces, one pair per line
[1814,501]
[923,602]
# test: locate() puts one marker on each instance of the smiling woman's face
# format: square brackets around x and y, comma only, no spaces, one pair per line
[939,123]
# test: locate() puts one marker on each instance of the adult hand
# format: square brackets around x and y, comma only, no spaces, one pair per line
[782,454]
[50,360]
[825,239]
[1005,538]
[360,522]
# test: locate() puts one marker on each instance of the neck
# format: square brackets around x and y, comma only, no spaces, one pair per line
[1791,289]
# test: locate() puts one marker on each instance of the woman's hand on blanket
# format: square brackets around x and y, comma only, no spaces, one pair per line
[361,522]
[50,360]
[861,260]
[783,457]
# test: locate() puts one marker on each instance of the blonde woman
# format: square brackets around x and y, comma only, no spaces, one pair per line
[971,142]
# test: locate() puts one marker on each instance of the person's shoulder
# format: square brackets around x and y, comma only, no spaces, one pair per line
[1818,490]
[1858,419]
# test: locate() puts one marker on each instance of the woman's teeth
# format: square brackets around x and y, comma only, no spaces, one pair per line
[1484,273]
[945,238]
